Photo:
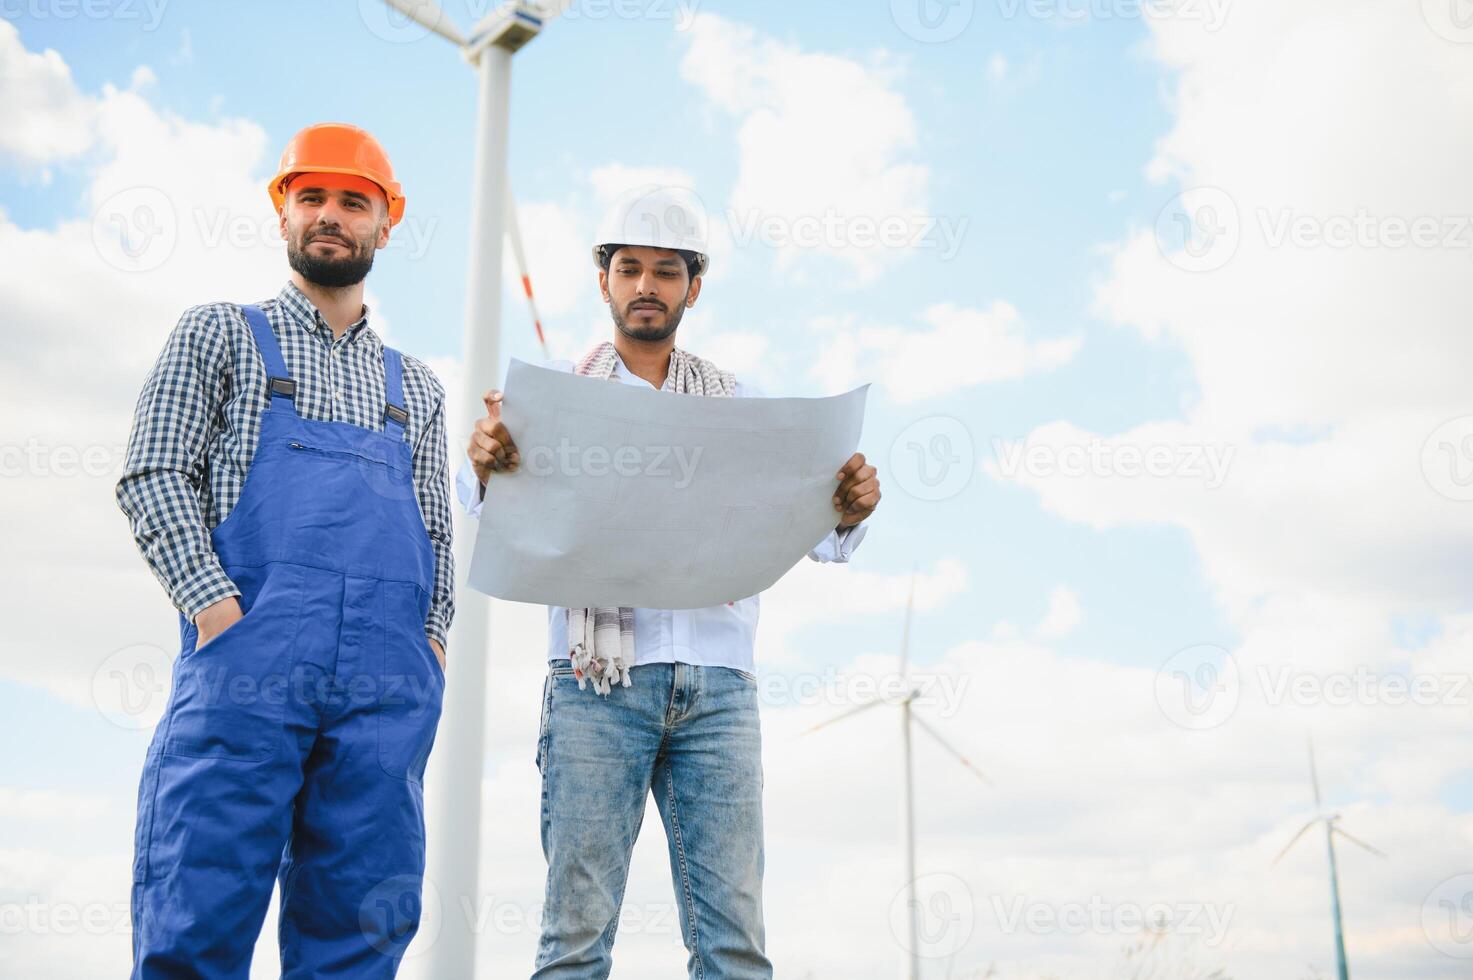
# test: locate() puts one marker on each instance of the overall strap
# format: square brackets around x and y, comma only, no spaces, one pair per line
[283,389]
[395,417]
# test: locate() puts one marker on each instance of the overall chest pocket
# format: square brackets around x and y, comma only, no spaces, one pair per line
[380,468]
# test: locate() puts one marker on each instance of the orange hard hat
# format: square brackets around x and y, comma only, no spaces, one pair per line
[338,148]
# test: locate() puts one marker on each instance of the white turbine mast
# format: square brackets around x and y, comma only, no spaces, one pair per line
[1332,830]
[908,717]
[454,805]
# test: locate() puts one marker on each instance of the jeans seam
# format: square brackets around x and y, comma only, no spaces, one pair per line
[612,928]
[690,905]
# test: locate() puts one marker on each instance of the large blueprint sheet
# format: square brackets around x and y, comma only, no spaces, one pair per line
[632,497]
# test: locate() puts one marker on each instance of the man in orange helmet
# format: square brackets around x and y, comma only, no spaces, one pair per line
[286,482]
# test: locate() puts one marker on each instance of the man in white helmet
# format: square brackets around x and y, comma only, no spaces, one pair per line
[672,704]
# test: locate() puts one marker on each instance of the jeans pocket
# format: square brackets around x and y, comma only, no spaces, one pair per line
[542,723]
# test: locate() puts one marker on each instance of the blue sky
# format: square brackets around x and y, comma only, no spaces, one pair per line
[1029,163]
[1066,317]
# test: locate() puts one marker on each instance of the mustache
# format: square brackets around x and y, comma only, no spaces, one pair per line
[656,304]
[329,235]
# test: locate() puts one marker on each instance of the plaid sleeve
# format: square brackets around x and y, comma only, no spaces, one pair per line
[159,491]
[432,487]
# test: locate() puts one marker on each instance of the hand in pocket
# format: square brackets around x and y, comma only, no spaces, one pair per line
[216,619]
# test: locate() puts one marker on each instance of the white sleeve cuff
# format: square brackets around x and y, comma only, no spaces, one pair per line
[468,488]
[839,545]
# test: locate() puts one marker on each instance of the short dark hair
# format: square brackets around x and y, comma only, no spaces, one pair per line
[606,257]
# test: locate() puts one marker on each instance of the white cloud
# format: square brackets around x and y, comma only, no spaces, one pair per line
[955,348]
[1322,370]
[174,214]
[826,146]
[43,117]
[1063,614]
[612,180]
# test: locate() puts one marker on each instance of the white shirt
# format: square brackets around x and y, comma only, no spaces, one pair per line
[716,636]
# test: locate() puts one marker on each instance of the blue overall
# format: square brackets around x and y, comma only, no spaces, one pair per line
[294,743]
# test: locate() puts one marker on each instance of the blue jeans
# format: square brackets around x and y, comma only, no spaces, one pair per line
[690,734]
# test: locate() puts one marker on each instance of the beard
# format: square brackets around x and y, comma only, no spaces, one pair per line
[328,271]
[653,331]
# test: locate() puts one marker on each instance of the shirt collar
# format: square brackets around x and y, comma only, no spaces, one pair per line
[307,316]
[626,376]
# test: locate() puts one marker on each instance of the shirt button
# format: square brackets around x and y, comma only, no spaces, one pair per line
[337,395]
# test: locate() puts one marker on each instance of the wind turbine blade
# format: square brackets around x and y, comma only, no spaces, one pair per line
[1357,841]
[910,600]
[514,233]
[840,717]
[1314,775]
[1302,831]
[947,746]
[427,13]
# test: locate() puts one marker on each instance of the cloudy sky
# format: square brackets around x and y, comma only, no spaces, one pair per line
[1164,305]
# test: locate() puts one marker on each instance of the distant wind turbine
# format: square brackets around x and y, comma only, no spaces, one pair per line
[1330,820]
[907,810]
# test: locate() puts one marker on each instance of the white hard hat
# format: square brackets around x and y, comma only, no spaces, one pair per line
[658,217]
